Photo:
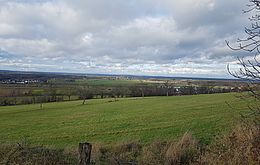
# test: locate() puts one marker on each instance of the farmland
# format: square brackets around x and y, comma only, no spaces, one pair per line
[17,88]
[105,121]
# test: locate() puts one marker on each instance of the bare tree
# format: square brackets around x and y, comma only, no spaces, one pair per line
[43,98]
[69,92]
[52,92]
[85,92]
[167,85]
[249,67]
[13,94]
[142,87]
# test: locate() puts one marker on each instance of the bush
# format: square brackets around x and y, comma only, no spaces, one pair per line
[26,100]
[5,101]
[154,153]
[182,151]
[241,147]
[118,154]
[23,154]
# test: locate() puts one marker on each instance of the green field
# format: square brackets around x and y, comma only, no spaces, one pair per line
[65,124]
[104,82]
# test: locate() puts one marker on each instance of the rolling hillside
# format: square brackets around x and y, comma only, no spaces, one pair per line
[64,124]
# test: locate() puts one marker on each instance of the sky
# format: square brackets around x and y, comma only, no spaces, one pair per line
[139,37]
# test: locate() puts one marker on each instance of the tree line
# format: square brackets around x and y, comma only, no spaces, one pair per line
[56,93]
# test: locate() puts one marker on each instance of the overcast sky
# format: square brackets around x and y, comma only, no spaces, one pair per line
[144,37]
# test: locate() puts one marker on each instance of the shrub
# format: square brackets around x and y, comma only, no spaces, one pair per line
[154,153]
[184,151]
[23,154]
[119,154]
[241,147]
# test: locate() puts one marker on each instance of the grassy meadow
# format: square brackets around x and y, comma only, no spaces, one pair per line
[106,82]
[104,121]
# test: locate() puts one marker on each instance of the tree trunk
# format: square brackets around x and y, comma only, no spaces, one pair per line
[84,153]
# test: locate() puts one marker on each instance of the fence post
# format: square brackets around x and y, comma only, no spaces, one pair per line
[84,153]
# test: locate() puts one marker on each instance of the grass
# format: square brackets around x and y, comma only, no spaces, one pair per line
[104,82]
[65,124]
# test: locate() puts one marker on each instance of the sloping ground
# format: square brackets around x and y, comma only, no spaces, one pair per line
[66,124]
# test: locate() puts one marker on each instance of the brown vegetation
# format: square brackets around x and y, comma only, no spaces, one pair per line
[24,154]
[240,147]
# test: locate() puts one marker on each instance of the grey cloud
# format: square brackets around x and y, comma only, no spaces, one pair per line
[141,36]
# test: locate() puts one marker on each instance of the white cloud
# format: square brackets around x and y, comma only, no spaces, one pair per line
[139,37]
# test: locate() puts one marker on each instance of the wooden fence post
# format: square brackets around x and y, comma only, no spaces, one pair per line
[84,153]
